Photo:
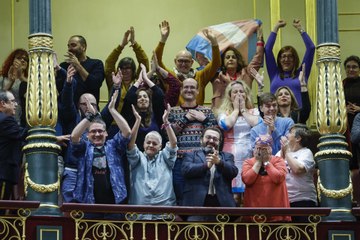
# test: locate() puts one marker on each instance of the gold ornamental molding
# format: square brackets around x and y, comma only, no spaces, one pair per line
[41,145]
[337,194]
[324,144]
[331,107]
[42,188]
[328,50]
[41,104]
[41,136]
[40,40]
[333,151]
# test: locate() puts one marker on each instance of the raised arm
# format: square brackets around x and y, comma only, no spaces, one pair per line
[310,48]
[135,129]
[169,131]
[206,74]
[271,66]
[164,27]
[258,58]
[113,57]
[105,113]
[83,124]
[120,121]
[140,54]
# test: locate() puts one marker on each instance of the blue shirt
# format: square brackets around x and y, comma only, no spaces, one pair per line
[282,126]
[151,179]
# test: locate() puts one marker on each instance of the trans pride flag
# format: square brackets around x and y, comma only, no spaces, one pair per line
[239,34]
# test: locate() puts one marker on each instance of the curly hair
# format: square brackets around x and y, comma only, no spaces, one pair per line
[296,61]
[10,59]
[240,61]
[227,105]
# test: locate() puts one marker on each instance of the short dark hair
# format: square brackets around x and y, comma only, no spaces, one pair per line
[266,98]
[98,120]
[301,130]
[352,58]
[128,61]
[82,40]
[216,129]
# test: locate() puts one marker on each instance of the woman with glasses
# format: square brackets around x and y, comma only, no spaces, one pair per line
[13,77]
[236,116]
[285,70]
[351,90]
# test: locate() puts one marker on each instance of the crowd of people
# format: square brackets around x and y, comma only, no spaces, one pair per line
[155,143]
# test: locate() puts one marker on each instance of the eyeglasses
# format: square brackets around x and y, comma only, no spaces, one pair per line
[290,56]
[352,67]
[208,137]
[99,131]
[183,61]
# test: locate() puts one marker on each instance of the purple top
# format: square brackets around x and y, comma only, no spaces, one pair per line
[274,73]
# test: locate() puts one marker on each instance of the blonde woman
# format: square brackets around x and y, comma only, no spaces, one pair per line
[236,116]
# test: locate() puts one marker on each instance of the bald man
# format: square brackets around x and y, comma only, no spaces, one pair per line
[183,62]
[188,121]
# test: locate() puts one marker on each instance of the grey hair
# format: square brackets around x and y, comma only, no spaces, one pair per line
[155,134]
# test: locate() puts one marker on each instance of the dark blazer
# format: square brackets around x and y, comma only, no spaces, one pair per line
[197,178]
[11,139]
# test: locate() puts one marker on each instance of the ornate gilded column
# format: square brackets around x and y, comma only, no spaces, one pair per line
[334,181]
[41,174]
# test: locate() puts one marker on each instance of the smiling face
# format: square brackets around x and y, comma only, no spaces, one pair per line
[352,69]
[211,139]
[283,97]
[183,61]
[75,47]
[287,61]
[97,134]
[143,101]
[269,108]
[152,144]
[189,89]
[24,60]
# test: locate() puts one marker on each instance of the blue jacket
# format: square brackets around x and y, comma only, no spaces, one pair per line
[197,179]
[115,150]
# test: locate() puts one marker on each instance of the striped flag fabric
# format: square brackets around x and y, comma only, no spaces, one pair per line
[240,34]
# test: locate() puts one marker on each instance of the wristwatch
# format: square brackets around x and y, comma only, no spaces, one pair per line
[266,163]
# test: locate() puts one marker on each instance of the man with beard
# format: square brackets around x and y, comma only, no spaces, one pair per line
[89,72]
[208,173]
[11,136]
[188,121]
